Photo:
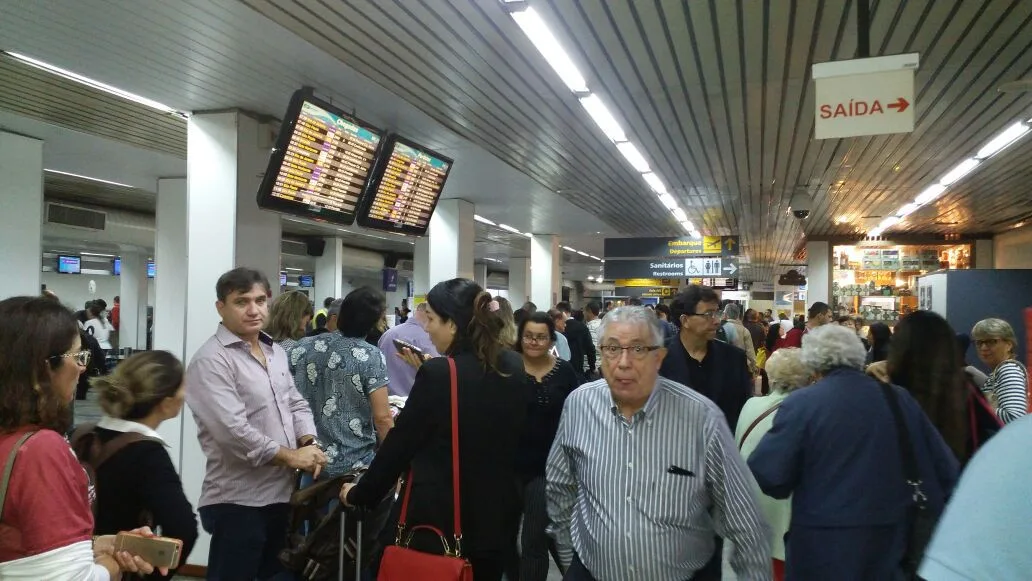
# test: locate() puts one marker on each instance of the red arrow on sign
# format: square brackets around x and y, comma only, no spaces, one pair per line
[900,105]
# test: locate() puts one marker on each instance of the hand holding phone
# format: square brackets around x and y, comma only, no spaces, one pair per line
[161,552]
[402,345]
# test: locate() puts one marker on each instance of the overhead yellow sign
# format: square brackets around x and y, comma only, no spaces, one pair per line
[647,282]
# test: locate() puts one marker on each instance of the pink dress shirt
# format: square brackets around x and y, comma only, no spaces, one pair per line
[245,413]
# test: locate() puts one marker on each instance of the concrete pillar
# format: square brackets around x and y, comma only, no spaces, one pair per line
[169,242]
[545,270]
[818,272]
[329,272]
[519,281]
[132,289]
[21,214]
[446,252]
[480,274]
[983,254]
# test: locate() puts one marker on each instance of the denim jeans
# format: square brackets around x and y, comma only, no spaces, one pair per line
[246,541]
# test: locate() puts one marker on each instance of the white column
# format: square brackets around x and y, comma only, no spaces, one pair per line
[21,215]
[421,266]
[451,238]
[818,272]
[519,281]
[545,270]
[480,274]
[170,264]
[329,272]
[984,254]
[224,229]
[132,289]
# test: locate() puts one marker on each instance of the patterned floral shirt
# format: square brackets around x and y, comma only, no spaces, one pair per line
[337,374]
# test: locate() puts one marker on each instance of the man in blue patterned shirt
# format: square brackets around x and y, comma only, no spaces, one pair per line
[342,377]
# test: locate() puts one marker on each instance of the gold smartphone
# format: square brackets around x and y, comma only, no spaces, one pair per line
[158,551]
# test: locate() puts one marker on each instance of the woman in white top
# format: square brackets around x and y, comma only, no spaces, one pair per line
[786,372]
[99,326]
[1007,386]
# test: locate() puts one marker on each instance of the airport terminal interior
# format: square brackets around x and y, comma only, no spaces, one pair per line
[851,162]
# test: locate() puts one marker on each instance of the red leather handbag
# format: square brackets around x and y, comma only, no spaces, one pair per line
[400,563]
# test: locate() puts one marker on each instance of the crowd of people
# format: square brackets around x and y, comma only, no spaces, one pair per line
[659,443]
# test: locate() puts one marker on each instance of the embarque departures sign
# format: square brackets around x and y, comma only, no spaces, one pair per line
[670,247]
[866,96]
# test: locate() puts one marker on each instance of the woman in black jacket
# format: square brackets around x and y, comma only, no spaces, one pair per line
[138,485]
[493,396]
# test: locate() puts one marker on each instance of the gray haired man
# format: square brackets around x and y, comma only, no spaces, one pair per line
[644,472]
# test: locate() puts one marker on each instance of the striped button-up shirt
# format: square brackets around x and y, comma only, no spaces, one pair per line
[643,499]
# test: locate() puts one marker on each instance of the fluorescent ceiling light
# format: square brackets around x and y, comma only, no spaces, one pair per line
[602,261]
[998,143]
[634,157]
[546,43]
[294,269]
[963,168]
[931,193]
[888,223]
[583,253]
[688,225]
[483,220]
[907,210]
[603,118]
[75,175]
[655,183]
[528,234]
[595,257]
[97,254]
[570,249]
[875,233]
[509,228]
[668,201]
[680,215]
[695,234]
[94,83]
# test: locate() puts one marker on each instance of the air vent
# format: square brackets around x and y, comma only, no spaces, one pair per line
[294,247]
[75,217]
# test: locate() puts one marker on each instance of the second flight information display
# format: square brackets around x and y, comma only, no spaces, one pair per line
[408,189]
[325,165]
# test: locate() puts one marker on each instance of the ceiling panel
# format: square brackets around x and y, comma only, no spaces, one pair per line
[94,194]
[716,93]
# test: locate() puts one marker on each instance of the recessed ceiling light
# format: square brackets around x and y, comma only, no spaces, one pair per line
[962,169]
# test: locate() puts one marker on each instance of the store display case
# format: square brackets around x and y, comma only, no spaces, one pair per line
[875,281]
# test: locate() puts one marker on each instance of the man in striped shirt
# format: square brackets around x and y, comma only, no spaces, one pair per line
[644,471]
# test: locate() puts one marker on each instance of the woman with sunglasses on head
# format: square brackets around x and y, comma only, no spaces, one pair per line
[1007,386]
[551,380]
[46,524]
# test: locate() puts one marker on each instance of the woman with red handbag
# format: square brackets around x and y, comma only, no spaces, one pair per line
[456,444]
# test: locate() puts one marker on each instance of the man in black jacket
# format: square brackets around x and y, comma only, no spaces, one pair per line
[715,369]
[581,346]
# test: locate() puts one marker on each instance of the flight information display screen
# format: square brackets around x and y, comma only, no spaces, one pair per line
[322,162]
[405,188]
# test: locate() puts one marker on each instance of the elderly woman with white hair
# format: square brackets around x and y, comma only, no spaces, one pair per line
[787,373]
[1007,386]
[836,448]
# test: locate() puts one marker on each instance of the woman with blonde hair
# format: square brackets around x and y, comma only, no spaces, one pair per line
[1007,386]
[509,336]
[137,484]
[786,373]
[289,315]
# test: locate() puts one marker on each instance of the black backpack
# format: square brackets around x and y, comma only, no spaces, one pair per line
[92,453]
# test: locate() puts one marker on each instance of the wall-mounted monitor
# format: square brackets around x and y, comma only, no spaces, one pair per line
[322,162]
[305,281]
[69,264]
[151,270]
[116,267]
[405,188]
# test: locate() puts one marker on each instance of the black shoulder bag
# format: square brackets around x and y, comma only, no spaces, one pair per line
[921,520]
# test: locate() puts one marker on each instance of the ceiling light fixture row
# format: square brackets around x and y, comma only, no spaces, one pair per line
[1001,141]
[84,80]
[534,27]
[508,228]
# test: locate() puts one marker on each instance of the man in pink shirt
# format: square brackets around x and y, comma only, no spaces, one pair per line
[255,430]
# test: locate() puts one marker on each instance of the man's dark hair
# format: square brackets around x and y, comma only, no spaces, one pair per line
[327,302]
[360,312]
[117,299]
[688,300]
[529,307]
[564,306]
[594,307]
[240,280]
[661,308]
[817,309]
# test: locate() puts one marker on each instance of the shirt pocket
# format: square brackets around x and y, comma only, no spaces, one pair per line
[676,495]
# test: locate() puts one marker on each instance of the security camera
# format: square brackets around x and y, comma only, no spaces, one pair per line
[800,206]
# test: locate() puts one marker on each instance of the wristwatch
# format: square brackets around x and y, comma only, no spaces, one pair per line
[314,442]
